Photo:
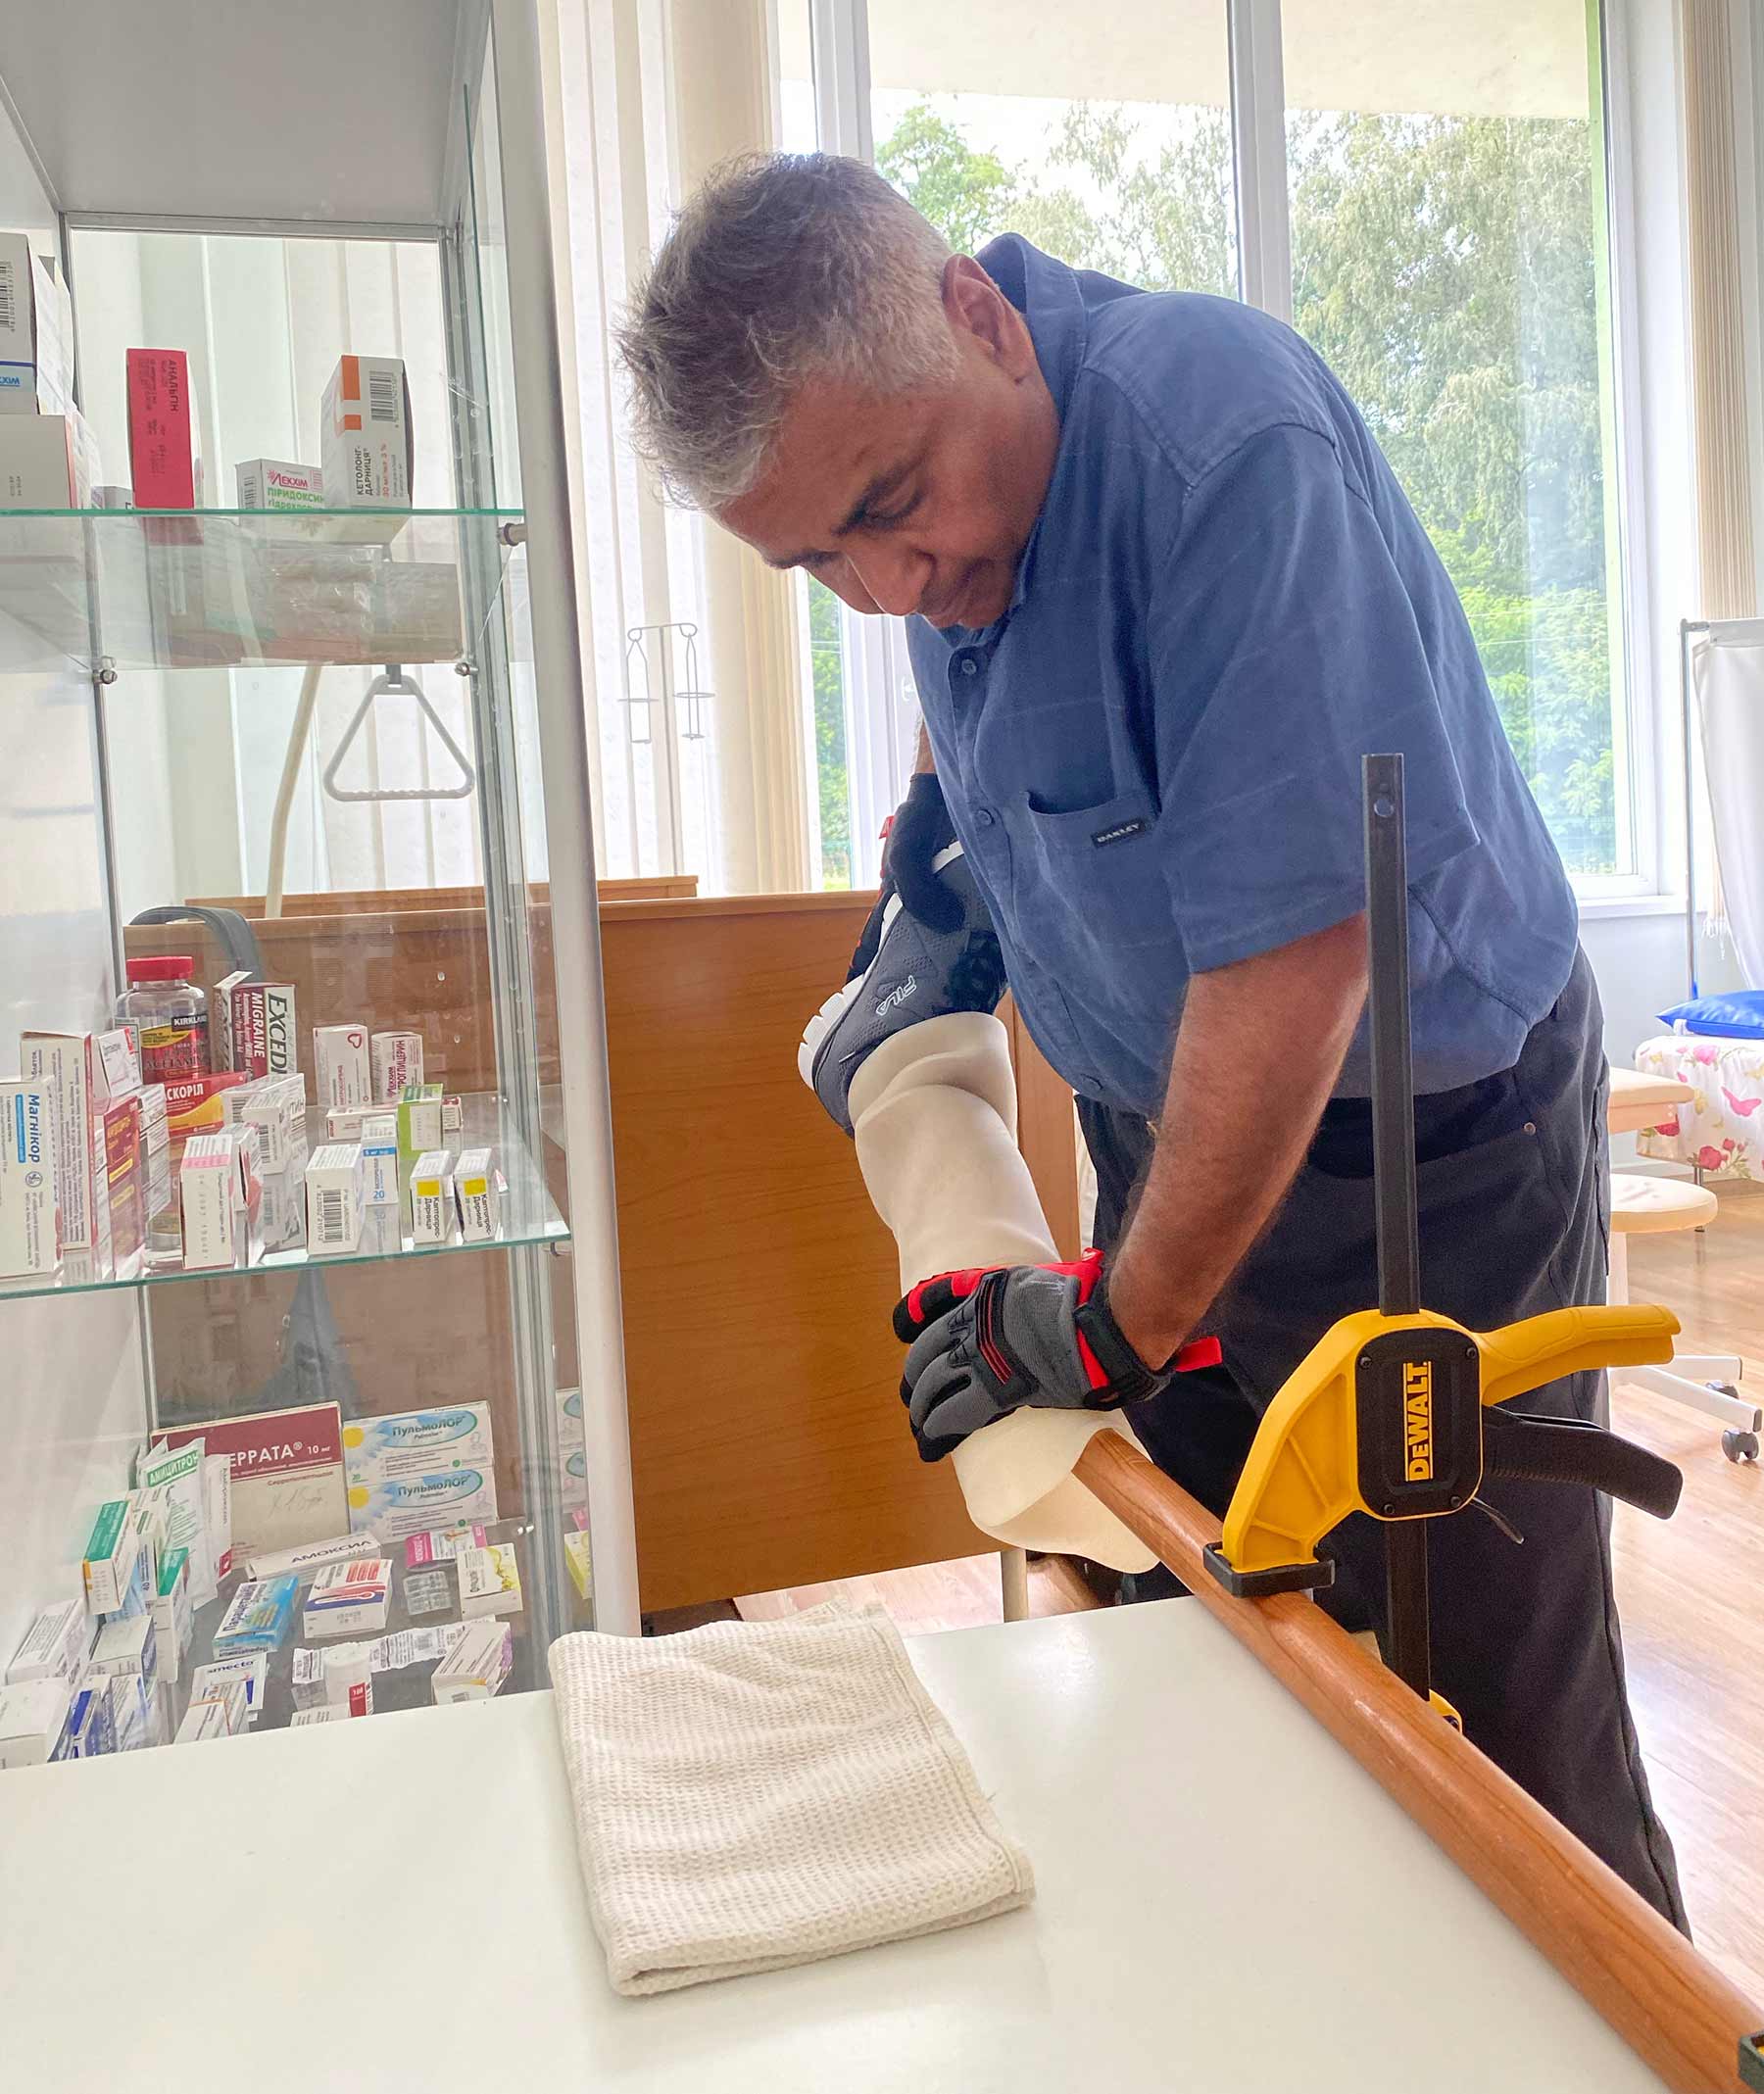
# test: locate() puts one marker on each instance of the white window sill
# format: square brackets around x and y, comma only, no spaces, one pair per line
[1601,909]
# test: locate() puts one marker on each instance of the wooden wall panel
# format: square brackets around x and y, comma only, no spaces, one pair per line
[768,1445]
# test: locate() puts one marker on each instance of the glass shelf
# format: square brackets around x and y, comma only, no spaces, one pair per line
[528,1215]
[227,588]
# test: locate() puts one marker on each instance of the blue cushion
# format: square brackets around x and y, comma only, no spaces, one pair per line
[1738,1014]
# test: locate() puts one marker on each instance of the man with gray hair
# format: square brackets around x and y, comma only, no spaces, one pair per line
[1163,593]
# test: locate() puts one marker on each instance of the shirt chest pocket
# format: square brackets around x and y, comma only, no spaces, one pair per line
[1094,905]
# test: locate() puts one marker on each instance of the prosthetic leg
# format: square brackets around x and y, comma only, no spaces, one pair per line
[934,1114]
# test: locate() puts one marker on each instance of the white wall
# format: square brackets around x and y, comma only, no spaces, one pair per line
[75,1396]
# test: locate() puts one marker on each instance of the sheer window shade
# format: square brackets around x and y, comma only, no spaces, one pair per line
[644,100]
[1718,389]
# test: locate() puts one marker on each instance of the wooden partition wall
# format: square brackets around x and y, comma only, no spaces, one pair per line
[768,1445]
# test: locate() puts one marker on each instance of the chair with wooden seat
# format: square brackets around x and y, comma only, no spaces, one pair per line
[1656,1207]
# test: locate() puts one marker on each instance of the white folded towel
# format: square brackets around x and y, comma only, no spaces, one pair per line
[751,1795]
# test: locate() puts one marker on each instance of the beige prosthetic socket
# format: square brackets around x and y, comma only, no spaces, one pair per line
[934,1112]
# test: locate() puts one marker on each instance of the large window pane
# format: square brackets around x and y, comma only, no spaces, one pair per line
[1449,261]
[1105,136]
[1108,143]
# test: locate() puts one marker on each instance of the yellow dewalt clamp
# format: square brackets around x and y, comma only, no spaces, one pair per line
[1390,1411]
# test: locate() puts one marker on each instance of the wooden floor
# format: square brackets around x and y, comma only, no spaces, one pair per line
[1690,1589]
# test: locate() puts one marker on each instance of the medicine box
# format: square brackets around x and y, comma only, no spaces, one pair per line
[221,1017]
[342,1067]
[397,1066]
[125,1186]
[261,1036]
[110,1557]
[135,1710]
[46,461]
[203,1720]
[178,1473]
[333,1184]
[379,1159]
[273,483]
[30,1236]
[329,1714]
[477,1188]
[128,1646]
[419,1124]
[37,334]
[578,1562]
[172,1620]
[489,1579]
[162,438]
[258,1106]
[33,1716]
[218,1514]
[91,1730]
[396,1506]
[257,1616]
[194,1105]
[416,1442]
[367,447]
[306,1558]
[432,1213]
[441,1545]
[56,1646]
[474,1668]
[68,1062]
[249,1672]
[349,1599]
[208,1187]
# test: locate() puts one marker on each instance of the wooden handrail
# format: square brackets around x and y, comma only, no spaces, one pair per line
[1666,2001]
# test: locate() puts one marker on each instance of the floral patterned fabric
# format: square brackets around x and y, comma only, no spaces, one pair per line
[1722,1127]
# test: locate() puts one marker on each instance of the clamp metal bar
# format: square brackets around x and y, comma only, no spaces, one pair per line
[1406,1612]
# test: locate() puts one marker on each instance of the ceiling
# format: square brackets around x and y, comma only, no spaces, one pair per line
[278,109]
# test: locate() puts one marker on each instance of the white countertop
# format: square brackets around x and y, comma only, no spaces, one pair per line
[1224,1901]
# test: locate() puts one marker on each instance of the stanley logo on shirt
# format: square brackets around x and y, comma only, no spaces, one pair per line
[1417,1421]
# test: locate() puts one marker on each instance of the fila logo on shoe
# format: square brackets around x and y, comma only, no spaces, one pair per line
[897,997]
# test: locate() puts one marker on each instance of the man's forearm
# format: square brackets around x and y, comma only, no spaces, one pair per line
[1257,1054]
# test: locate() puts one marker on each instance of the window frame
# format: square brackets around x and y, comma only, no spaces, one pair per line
[1650,758]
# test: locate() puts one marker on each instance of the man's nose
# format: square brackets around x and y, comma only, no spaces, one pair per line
[895,575]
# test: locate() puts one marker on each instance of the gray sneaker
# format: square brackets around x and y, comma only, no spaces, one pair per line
[902,971]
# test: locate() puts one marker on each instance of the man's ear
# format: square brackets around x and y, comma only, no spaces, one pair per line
[976,305]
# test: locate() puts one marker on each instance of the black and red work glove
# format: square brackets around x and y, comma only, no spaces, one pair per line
[985,1343]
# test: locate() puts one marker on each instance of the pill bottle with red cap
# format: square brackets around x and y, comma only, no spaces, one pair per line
[170,1016]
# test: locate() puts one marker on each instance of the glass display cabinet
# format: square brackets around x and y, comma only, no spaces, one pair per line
[336,1229]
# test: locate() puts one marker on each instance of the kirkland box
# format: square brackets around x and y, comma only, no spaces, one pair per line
[30,1238]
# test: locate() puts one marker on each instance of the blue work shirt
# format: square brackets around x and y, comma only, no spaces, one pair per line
[1152,758]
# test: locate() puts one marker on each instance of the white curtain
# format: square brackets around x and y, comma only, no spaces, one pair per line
[643,95]
[1728,669]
